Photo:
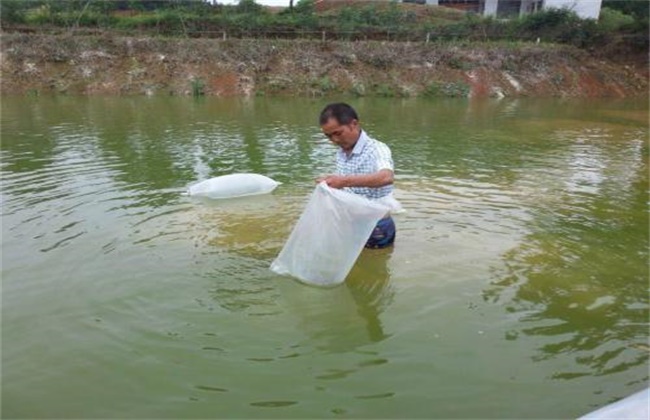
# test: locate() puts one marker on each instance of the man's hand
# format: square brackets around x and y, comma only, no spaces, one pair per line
[375,180]
[334,181]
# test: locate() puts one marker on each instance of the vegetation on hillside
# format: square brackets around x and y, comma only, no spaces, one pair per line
[625,22]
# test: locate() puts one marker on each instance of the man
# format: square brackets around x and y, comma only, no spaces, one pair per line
[364,165]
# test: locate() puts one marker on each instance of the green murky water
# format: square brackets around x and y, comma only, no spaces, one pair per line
[517,287]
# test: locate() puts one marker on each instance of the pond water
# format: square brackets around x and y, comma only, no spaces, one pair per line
[517,286]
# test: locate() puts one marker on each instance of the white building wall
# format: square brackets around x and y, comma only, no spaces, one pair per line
[530,6]
[490,7]
[586,9]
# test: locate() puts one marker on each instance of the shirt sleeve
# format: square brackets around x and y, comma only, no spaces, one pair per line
[384,158]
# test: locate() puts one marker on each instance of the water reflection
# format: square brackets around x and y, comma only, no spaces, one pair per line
[347,317]
[160,144]
[369,285]
[253,227]
[592,313]
[576,280]
[336,320]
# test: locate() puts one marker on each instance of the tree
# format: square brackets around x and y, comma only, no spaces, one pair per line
[305,7]
[13,11]
[637,8]
[248,6]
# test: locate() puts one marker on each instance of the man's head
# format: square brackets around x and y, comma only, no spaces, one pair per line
[340,124]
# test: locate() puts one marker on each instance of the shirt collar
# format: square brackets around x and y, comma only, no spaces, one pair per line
[358,147]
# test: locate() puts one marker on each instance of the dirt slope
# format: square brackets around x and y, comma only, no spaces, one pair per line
[44,64]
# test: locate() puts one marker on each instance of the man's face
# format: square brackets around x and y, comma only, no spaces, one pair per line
[345,136]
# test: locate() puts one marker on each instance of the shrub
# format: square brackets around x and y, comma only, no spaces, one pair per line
[558,25]
[325,84]
[12,11]
[198,87]
[304,7]
[385,90]
[451,89]
[611,20]
[248,6]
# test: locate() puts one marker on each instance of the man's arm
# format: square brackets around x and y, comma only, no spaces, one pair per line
[378,179]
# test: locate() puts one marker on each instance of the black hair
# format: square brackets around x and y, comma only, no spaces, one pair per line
[341,112]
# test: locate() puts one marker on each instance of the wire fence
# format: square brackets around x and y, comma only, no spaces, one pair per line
[323,35]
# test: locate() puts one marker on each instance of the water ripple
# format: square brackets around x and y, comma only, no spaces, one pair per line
[521,224]
[273,404]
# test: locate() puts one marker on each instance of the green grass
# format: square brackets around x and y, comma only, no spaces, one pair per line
[447,89]
[198,87]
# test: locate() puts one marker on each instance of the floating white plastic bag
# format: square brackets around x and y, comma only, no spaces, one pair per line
[329,236]
[234,185]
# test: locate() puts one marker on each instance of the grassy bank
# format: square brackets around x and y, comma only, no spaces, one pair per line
[623,22]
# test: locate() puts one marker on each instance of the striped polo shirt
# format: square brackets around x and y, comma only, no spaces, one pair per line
[368,156]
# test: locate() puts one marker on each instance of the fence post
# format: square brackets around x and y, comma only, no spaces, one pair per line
[224,35]
[428,37]
[323,36]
